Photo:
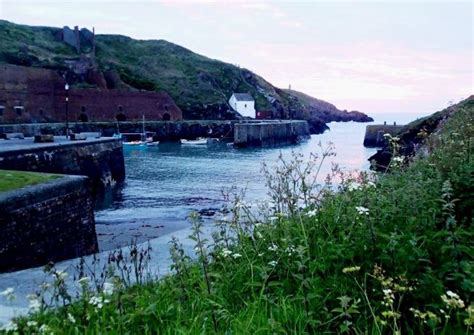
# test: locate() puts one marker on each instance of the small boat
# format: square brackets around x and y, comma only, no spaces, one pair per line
[199,141]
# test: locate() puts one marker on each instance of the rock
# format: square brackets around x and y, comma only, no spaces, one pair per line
[208,211]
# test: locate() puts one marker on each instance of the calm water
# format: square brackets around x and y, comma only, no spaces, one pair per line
[166,182]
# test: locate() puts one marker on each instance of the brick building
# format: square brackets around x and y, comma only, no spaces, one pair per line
[30,95]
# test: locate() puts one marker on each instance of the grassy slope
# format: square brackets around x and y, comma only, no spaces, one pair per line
[194,81]
[12,180]
[399,267]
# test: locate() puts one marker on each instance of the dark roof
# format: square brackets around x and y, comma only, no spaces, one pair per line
[243,97]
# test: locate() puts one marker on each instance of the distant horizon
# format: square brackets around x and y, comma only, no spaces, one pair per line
[377,58]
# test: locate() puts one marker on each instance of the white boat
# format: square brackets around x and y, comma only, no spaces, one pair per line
[199,141]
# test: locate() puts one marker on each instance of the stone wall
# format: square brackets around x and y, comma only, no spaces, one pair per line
[46,222]
[269,133]
[102,160]
[374,134]
[164,130]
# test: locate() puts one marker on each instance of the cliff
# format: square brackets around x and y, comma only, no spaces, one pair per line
[413,137]
[200,86]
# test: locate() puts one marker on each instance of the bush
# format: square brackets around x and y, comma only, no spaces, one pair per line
[359,253]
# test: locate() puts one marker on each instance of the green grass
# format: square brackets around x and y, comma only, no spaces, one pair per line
[370,254]
[12,180]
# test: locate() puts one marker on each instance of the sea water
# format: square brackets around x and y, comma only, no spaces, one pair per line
[166,182]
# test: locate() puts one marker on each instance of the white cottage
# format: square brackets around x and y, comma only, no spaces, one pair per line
[243,103]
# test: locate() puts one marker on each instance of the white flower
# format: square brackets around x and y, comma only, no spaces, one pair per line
[9,327]
[273,218]
[353,186]
[60,275]
[236,255]
[84,281]
[32,323]
[108,288]
[34,305]
[43,329]
[258,234]
[398,159]
[273,263]
[8,294]
[290,250]
[311,213]
[71,318]
[7,291]
[226,252]
[370,184]
[451,294]
[97,301]
[273,247]
[362,210]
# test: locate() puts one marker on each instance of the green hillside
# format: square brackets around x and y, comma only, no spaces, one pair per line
[200,86]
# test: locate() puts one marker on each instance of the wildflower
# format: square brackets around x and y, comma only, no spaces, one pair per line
[34,305]
[71,318]
[354,186]
[7,291]
[226,252]
[311,213]
[44,286]
[391,315]
[273,263]
[84,281]
[273,247]
[8,294]
[61,275]
[370,184]
[96,301]
[32,324]
[258,234]
[469,321]
[9,327]
[236,255]
[290,250]
[44,329]
[398,159]
[452,300]
[273,219]
[362,210]
[351,269]
[108,288]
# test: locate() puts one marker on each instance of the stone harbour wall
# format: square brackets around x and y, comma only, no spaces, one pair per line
[52,221]
[100,159]
[269,133]
[374,134]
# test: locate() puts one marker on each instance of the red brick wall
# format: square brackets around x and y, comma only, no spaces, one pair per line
[41,93]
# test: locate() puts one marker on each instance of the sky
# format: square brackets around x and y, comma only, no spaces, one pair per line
[373,56]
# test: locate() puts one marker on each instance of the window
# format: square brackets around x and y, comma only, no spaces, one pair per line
[41,112]
[2,110]
[18,110]
[120,108]
[83,109]
[166,117]
[166,107]
[245,105]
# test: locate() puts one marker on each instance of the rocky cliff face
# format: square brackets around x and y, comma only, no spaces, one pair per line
[412,136]
[200,86]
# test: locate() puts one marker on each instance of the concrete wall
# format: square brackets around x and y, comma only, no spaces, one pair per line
[374,134]
[269,133]
[46,222]
[102,160]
